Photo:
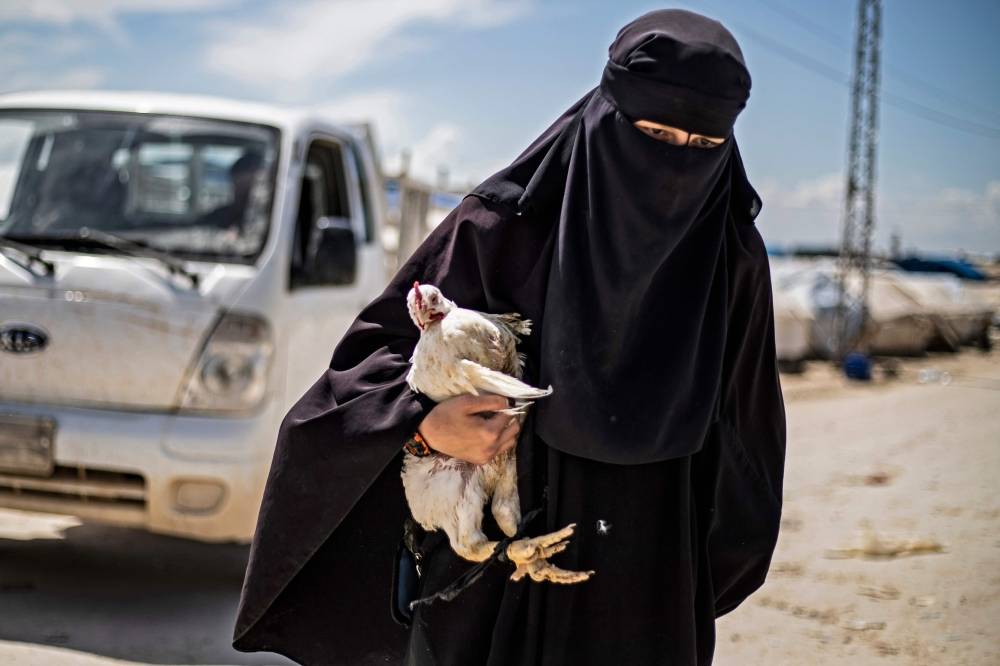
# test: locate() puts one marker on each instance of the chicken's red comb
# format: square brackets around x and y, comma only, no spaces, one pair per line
[419,297]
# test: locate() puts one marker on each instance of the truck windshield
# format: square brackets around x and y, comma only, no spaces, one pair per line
[196,188]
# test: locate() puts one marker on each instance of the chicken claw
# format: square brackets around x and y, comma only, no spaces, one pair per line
[523,551]
[531,557]
[542,570]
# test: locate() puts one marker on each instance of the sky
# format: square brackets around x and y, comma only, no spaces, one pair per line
[466,85]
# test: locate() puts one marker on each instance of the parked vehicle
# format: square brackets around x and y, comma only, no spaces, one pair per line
[174,273]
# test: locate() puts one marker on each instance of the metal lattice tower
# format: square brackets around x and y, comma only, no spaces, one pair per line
[859,201]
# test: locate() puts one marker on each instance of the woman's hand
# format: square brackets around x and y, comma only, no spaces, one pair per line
[456,427]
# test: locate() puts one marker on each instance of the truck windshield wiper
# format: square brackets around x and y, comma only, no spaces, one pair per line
[32,256]
[88,236]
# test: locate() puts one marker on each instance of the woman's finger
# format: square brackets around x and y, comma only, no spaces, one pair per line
[510,429]
[497,424]
[508,443]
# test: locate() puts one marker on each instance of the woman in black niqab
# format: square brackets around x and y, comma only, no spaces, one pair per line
[648,283]
[635,271]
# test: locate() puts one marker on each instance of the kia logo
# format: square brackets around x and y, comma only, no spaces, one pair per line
[22,339]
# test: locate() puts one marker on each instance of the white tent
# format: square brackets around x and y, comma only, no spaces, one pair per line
[961,312]
[908,312]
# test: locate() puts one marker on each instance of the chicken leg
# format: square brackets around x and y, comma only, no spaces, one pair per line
[532,558]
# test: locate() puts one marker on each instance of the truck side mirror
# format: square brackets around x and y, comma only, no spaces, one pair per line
[331,255]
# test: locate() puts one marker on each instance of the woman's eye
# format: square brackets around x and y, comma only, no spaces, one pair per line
[701,142]
[663,135]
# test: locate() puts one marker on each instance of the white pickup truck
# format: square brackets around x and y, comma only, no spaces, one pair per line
[174,273]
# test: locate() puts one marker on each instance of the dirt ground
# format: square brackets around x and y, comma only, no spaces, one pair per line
[908,464]
[906,467]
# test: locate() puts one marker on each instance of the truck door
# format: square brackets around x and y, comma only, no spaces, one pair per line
[331,273]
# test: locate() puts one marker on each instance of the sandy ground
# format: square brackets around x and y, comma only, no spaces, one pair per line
[915,458]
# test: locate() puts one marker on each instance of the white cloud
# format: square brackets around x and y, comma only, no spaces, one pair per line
[388,111]
[944,220]
[302,47]
[76,78]
[103,13]
[52,60]
[20,70]
[290,52]
[802,213]
[436,149]
[993,199]
[825,191]
[951,219]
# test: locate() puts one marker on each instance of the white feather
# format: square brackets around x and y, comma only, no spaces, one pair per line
[484,379]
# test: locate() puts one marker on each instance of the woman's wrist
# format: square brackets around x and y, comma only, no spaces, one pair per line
[416,445]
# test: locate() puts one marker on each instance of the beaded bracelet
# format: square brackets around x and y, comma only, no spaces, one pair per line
[417,446]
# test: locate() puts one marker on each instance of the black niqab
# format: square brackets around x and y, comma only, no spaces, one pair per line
[639,262]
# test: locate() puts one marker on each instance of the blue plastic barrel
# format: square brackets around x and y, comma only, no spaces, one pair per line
[858,366]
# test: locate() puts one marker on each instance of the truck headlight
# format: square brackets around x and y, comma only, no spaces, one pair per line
[232,373]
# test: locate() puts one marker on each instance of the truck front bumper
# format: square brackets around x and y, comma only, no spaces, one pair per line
[192,476]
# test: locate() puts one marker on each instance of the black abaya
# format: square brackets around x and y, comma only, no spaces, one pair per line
[318,583]
[687,539]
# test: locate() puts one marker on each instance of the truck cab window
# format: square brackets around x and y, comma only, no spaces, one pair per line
[366,195]
[199,189]
[323,194]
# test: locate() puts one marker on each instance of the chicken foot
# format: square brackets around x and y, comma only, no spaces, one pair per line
[530,555]
[532,558]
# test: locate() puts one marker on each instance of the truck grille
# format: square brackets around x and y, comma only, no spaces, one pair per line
[87,492]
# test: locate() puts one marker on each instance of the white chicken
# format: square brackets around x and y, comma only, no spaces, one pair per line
[463,351]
